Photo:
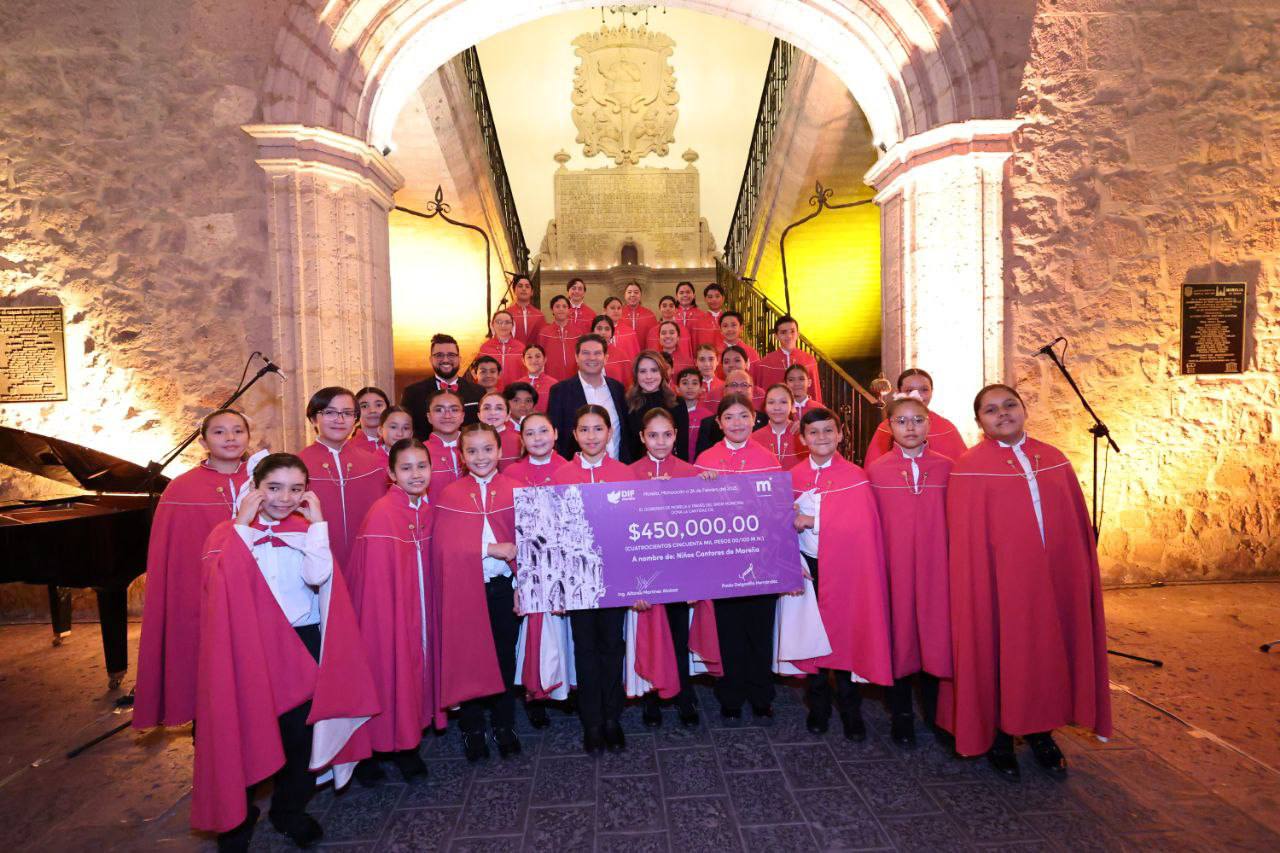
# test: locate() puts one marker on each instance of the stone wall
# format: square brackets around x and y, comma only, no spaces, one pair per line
[1150,158]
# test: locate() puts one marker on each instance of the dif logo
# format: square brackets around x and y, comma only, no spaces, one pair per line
[764,487]
[621,495]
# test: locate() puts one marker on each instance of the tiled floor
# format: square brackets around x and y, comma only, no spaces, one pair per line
[777,787]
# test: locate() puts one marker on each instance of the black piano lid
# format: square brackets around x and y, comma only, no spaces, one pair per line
[72,464]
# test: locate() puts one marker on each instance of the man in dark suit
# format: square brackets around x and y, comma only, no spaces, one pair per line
[589,385]
[737,382]
[446,359]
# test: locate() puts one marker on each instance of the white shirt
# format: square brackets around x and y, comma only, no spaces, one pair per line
[602,397]
[590,466]
[493,567]
[729,444]
[1030,475]
[912,456]
[810,503]
[294,572]
[535,461]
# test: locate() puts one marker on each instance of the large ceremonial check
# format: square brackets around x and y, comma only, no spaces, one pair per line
[613,544]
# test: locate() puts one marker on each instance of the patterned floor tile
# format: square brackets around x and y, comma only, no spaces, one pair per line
[496,808]
[446,784]
[889,788]
[564,780]
[519,766]
[629,804]
[560,828]
[840,820]
[492,844]
[980,812]
[638,759]
[702,825]
[419,830]
[810,766]
[924,832]
[777,839]
[648,842]
[359,814]
[762,797]
[690,772]
[743,749]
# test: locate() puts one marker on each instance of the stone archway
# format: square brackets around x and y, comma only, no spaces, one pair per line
[921,72]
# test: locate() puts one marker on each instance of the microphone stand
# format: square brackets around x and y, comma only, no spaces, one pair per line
[153,471]
[1099,431]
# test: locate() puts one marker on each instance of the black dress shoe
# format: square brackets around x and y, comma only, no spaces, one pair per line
[411,766]
[538,717]
[854,728]
[593,740]
[688,715]
[508,743]
[903,729]
[730,713]
[301,828]
[762,711]
[652,716]
[614,739]
[369,772]
[475,746]
[1048,755]
[1005,763]
[237,840]
[816,723]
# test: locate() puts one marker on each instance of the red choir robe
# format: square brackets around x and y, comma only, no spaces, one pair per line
[640,319]
[751,458]
[679,361]
[528,320]
[623,350]
[704,641]
[786,448]
[713,392]
[364,441]
[253,667]
[944,438]
[752,355]
[466,661]
[510,447]
[913,521]
[772,370]
[853,591]
[387,577]
[192,505]
[707,331]
[1029,643]
[347,487]
[808,404]
[526,473]
[559,342]
[581,317]
[689,319]
[683,347]
[510,355]
[446,465]
[542,384]
[696,416]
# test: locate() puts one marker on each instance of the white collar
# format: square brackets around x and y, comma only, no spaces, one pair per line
[453,443]
[487,480]
[582,460]
[800,404]
[729,444]
[546,461]
[816,467]
[586,384]
[1017,445]
[655,461]
[911,454]
[777,431]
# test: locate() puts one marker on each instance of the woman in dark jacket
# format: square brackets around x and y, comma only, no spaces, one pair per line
[651,389]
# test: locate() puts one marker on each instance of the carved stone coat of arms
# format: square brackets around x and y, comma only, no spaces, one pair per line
[624,93]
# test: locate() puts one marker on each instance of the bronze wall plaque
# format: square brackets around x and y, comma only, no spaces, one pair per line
[1213,328]
[33,364]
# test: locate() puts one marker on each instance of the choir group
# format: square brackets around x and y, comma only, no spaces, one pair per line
[316,613]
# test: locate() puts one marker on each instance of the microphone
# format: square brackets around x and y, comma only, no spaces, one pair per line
[271,367]
[1047,349]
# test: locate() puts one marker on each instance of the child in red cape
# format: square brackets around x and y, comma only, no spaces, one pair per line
[910,487]
[371,403]
[558,340]
[283,678]
[691,626]
[840,542]
[744,625]
[541,633]
[689,387]
[580,313]
[346,478]
[621,350]
[494,412]
[780,435]
[944,438]
[396,424]
[528,319]
[635,315]
[797,379]
[191,506]
[1019,535]
[598,643]
[387,576]
[535,362]
[772,369]
[445,413]
[472,558]
[504,346]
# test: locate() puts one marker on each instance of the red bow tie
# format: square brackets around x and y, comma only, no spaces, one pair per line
[275,541]
[447,386]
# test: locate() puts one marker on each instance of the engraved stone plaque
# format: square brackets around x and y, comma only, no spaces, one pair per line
[1213,328]
[33,366]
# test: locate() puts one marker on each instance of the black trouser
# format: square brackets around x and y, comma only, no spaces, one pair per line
[678,618]
[1004,740]
[818,685]
[745,626]
[505,626]
[598,651]
[900,696]
[294,782]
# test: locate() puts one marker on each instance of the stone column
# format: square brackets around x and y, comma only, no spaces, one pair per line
[941,195]
[328,197]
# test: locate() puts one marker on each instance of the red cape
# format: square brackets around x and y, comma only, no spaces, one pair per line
[853,592]
[253,668]
[525,473]
[684,348]
[696,414]
[640,319]
[528,321]
[1028,631]
[944,439]
[446,466]
[510,448]
[465,657]
[192,505]
[345,496]
[772,370]
[672,466]
[787,448]
[510,357]
[559,344]
[751,458]
[543,386]
[914,522]
[388,594]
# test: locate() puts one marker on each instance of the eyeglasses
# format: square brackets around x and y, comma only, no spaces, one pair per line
[903,420]
[339,414]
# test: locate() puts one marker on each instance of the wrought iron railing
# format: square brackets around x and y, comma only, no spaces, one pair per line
[738,240]
[489,133]
[858,410]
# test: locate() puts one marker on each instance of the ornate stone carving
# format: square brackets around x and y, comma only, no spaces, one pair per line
[624,93]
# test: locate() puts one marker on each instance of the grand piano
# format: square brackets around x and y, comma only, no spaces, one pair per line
[98,539]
